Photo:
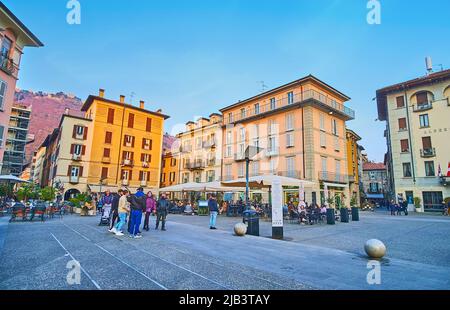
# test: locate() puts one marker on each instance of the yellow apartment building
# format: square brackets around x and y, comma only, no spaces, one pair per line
[200,150]
[69,164]
[126,144]
[417,114]
[170,167]
[38,165]
[301,127]
[353,163]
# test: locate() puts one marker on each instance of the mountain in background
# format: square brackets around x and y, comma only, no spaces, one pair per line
[46,112]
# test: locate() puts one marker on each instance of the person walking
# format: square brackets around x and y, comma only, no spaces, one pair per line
[162,208]
[123,209]
[138,206]
[213,211]
[392,207]
[150,209]
[115,209]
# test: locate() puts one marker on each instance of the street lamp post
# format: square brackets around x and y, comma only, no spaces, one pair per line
[250,152]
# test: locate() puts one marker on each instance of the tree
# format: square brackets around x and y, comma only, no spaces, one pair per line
[48,193]
[28,191]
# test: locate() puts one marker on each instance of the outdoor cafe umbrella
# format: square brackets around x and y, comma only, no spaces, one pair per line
[12,179]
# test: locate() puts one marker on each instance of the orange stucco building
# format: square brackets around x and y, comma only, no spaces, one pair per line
[301,127]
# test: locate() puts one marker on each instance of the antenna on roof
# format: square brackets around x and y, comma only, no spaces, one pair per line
[263,86]
[132,96]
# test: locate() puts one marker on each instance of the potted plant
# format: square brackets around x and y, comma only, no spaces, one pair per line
[418,204]
[355,209]
[331,218]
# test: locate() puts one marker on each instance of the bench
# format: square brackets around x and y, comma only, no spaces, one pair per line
[38,212]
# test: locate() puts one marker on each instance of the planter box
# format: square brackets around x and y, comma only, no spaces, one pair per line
[91,212]
[77,210]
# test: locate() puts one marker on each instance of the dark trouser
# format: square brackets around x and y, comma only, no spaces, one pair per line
[147,219]
[114,218]
[161,217]
[136,217]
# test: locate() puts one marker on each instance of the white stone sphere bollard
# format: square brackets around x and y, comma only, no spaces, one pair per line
[375,248]
[240,229]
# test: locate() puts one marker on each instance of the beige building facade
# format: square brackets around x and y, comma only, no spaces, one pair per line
[417,113]
[301,128]
[199,150]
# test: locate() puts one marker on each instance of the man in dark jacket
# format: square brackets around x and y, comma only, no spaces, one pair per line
[162,209]
[115,209]
[138,206]
[213,211]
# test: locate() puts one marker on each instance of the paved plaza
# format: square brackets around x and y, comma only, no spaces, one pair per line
[191,256]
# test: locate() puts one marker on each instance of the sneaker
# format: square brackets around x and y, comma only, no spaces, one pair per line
[111,230]
[163,229]
[119,233]
[131,236]
[137,237]
[213,228]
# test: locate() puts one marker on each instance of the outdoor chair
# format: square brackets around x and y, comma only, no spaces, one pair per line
[56,210]
[38,212]
[18,211]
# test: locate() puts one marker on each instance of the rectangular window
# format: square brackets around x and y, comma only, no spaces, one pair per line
[257,108]
[324,164]
[290,97]
[104,173]
[337,163]
[228,151]
[429,169]
[229,137]
[426,143]
[110,116]
[242,113]
[422,98]
[126,175]
[322,122]
[2,93]
[148,125]
[146,158]
[290,166]
[230,117]
[424,121]
[432,200]
[128,141]
[198,143]
[336,144]
[273,104]
[255,168]
[106,153]
[228,174]
[108,137]
[289,122]
[130,120]
[2,131]
[290,139]
[242,134]
[147,144]
[334,129]
[404,146]
[407,170]
[323,139]
[173,162]
[400,102]
[402,124]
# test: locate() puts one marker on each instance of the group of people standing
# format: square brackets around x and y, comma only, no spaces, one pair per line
[131,208]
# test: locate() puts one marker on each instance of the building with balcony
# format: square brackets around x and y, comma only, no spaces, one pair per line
[125,144]
[353,159]
[374,182]
[300,127]
[170,167]
[417,114]
[14,37]
[199,150]
[16,140]
[37,164]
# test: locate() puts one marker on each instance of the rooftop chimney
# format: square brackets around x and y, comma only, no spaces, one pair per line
[122,99]
[101,92]
[66,111]
[429,64]
[142,104]
[159,111]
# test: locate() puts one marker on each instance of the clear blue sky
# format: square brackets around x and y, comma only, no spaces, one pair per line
[192,57]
